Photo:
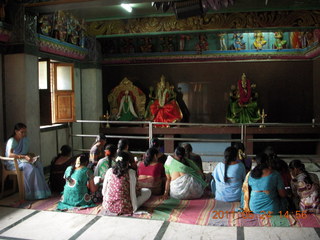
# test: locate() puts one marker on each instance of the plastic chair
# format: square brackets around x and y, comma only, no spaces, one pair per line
[17,172]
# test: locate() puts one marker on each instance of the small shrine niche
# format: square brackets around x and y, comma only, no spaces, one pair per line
[126,102]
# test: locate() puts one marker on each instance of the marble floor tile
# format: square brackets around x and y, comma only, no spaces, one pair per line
[188,231]
[122,228]
[49,225]
[9,216]
[281,233]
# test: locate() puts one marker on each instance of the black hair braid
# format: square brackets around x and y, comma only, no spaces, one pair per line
[180,153]
[121,166]
[230,155]
[84,160]
[262,163]
[151,152]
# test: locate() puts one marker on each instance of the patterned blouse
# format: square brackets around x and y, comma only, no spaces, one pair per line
[307,195]
[76,192]
[116,194]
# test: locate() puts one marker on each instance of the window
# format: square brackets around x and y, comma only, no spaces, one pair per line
[56,87]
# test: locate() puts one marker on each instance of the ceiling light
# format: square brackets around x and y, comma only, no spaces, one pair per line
[127,7]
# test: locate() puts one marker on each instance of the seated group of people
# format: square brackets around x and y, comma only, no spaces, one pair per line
[270,187]
[112,176]
[124,183]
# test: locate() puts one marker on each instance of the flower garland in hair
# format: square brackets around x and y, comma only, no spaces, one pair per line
[77,162]
[118,159]
[107,152]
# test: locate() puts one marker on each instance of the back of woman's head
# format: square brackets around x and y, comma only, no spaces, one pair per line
[262,163]
[180,153]
[297,164]
[101,137]
[155,143]
[230,155]
[269,150]
[110,150]
[81,160]
[187,147]
[121,166]
[239,146]
[149,156]
[65,150]
[123,144]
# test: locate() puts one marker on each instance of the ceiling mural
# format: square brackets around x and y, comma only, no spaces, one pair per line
[217,22]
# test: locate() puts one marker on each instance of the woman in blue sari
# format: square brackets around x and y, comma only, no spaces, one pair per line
[268,195]
[35,185]
[228,177]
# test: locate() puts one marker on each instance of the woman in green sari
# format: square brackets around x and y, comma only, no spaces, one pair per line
[184,179]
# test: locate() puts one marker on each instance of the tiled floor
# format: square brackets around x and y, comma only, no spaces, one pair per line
[31,224]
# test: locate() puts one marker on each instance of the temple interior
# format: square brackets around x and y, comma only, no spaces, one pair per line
[67,64]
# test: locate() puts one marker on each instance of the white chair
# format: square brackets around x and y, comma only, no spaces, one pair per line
[17,172]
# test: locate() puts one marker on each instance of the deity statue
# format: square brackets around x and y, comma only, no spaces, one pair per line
[126,110]
[127,102]
[45,25]
[243,105]
[182,41]
[238,43]
[202,44]
[259,40]
[279,43]
[164,107]
[222,41]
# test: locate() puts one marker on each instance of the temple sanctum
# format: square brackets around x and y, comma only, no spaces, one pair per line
[206,72]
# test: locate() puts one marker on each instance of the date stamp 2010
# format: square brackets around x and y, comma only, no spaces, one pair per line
[261,215]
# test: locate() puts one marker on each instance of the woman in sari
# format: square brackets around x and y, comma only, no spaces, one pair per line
[79,180]
[151,172]
[267,195]
[305,188]
[35,185]
[184,179]
[58,166]
[100,171]
[97,150]
[121,194]
[228,177]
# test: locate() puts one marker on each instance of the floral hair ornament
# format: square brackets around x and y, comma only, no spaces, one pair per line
[118,159]
[107,152]
[77,162]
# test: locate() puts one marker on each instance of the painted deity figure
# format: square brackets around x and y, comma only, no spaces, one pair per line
[279,43]
[239,43]
[259,40]
[243,105]
[164,108]
[222,41]
[126,110]
[202,44]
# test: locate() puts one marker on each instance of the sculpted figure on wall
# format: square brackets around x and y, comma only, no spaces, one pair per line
[243,105]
